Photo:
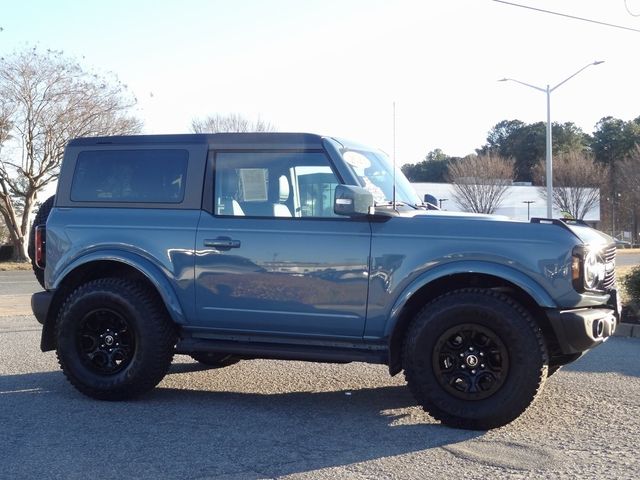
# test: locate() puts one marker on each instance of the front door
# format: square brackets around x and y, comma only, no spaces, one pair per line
[272,257]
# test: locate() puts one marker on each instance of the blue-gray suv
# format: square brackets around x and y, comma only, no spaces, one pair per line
[303,247]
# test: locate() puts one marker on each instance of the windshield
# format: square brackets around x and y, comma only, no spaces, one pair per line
[375,173]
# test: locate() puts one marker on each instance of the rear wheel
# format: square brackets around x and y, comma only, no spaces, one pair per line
[474,359]
[115,340]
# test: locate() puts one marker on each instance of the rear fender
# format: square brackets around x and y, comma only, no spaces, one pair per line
[157,276]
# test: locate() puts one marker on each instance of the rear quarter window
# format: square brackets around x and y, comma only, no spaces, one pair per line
[130,176]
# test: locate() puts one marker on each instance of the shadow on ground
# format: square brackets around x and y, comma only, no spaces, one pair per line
[50,430]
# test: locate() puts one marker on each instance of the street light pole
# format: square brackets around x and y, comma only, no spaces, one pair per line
[549,155]
[440,200]
[549,158]
[529,202]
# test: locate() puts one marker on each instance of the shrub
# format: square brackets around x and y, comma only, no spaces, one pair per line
[631,283]
[6,252]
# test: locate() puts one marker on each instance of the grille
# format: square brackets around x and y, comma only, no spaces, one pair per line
[609,256]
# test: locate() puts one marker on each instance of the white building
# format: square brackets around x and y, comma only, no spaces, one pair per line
[514,204]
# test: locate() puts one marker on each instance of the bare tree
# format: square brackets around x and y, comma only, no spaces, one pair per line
[46,100]
[230,123]
[480,183]
[630,193]
[3,233]
[577,180]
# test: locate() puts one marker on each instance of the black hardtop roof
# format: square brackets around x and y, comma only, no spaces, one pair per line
[295,140]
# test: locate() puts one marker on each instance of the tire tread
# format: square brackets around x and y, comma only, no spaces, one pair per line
[409,368]
[159,326]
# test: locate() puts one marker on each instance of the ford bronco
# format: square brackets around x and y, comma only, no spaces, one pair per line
[303,247]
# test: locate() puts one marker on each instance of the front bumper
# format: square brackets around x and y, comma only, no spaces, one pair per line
[579,330]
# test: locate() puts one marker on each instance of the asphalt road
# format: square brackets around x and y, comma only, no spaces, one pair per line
[624,259]
[274,419]
[18,283]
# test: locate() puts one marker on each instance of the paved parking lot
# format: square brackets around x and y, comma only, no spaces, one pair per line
[15,292]
[274,419]
[628,258]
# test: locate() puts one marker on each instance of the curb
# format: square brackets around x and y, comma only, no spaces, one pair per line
[627,330]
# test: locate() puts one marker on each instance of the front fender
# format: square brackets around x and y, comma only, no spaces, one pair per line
[504,272]
[158,276]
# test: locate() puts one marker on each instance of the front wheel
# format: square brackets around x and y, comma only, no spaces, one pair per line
[115,340]
[474,359]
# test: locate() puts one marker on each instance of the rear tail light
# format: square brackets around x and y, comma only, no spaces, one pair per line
[40,244]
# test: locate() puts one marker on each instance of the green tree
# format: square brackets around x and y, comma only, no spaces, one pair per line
[500,137]
[568,138]
[432,169]
[526,143]
[614,139]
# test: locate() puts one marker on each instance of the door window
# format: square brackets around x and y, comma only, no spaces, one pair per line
[274,184]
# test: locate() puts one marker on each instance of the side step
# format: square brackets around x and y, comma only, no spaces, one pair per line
[284,351]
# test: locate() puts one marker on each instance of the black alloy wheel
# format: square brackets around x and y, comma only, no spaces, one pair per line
[470,361]
[105,341]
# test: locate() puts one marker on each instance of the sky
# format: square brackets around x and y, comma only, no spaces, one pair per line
[338,67]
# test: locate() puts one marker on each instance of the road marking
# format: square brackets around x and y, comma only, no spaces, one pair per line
[27,390]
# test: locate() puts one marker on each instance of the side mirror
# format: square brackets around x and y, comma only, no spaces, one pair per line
[352,201]
[431,202]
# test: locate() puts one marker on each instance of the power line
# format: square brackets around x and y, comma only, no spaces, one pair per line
[569,16]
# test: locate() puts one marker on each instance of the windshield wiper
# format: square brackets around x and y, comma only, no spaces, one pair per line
[398,202]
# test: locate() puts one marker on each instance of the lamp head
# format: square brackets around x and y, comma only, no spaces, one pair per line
[598,62]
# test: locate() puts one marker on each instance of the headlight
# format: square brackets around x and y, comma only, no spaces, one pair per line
[594,270]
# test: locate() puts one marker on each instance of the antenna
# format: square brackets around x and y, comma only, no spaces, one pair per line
[393,201]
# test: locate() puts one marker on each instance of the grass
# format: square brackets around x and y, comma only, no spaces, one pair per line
[625,251]
[14,266]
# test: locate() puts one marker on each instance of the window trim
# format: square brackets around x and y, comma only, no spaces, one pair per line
[208,198]
[184,158]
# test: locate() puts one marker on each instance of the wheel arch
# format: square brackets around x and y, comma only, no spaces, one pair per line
[422,291]
[94,267]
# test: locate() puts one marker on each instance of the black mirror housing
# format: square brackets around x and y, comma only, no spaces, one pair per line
[352,201]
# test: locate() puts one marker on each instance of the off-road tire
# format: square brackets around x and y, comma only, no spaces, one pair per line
[214,360]
[40,219]
[524,359]
[150,333]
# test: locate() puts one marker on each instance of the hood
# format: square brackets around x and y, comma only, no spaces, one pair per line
[586,234]
[447,213]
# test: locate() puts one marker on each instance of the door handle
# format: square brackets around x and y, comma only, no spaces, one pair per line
[222,243]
